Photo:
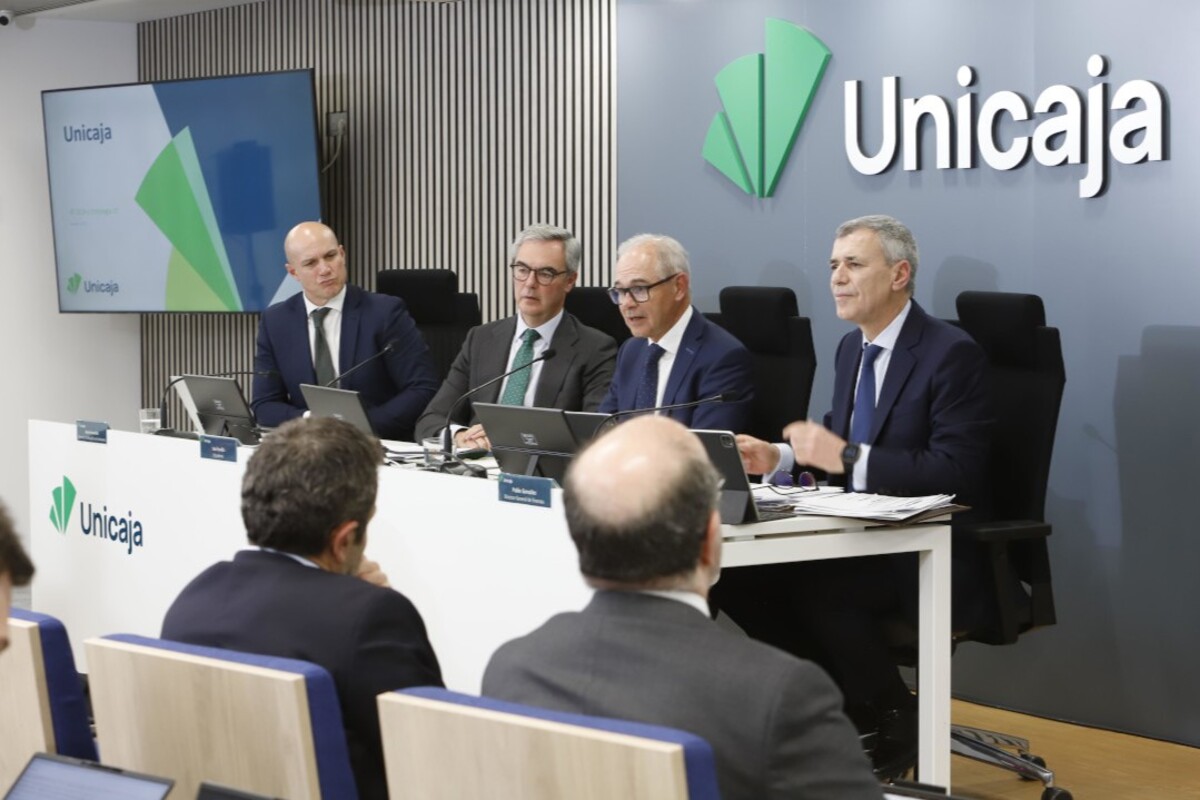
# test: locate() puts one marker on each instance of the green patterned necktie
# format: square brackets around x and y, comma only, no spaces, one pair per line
[518,383]
[322,358]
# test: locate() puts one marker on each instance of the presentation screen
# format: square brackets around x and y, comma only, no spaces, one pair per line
[176,195]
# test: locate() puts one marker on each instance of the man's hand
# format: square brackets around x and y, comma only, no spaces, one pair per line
[370,572]
[816,446]
[759,457]
[472,438]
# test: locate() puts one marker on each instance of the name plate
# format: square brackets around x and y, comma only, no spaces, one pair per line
[525,489]
[219,448]
[86,431]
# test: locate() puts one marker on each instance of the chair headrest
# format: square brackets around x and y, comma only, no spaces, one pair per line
[1005,325]
[429,293]
[758,316]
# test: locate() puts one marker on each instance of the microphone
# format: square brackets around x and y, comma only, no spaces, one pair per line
[723,397]
[447,438]
[387,348]
[162,404]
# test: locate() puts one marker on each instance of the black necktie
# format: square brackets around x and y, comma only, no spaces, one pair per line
[864,398]
[647,393]
[322,360]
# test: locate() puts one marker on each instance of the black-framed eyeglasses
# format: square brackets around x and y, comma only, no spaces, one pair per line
[544,275]
[640,294]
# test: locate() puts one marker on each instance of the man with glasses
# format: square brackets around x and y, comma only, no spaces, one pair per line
[676,356]
[544,265]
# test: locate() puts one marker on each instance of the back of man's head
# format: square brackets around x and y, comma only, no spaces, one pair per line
[14,562]
[306,478]
[639,502]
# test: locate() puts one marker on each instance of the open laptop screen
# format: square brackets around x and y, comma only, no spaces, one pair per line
[49,777]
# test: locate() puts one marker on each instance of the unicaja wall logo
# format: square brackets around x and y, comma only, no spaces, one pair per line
[64,501]
[765,97]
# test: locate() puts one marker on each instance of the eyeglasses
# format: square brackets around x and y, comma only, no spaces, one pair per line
[544,275]
[640,294]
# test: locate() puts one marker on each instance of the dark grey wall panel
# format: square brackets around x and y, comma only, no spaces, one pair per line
[1117,272]
[467,121]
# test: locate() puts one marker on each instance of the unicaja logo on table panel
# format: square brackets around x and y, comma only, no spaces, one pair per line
[125,531]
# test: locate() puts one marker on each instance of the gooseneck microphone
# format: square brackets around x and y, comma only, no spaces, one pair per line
[447,437]
[387,348]
[164,429]
[723,397]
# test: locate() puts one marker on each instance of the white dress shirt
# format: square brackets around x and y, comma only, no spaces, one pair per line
[332,327]
[670,342]
[545,334]
[687,598]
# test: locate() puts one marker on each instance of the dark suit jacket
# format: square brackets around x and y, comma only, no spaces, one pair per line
[370,639]
[932,425]
[774,722]
[574,380]
[394,388]
[710,361]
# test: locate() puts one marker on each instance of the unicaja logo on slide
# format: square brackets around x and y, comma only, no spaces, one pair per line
[73,283]
[765,98]
[64,499]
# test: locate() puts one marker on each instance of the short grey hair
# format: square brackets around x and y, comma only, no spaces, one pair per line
[540,232]
[897,240]
[668,253]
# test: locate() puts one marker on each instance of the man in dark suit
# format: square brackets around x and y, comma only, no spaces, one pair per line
[544,264]
[910,417]
[675,355]
[649,540]
[330,328]
[15,570]
[306,591]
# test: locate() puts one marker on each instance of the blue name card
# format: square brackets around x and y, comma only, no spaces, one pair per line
[86,431]
[219,448]
[525,489]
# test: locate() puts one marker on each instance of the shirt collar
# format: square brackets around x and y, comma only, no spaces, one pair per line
[298,559]
[888,336]
[672,339]
[336,302]
[545,330]
[687,598]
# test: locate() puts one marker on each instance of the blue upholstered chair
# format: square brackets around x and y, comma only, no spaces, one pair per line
[258,723]
[442,744]
[40,693]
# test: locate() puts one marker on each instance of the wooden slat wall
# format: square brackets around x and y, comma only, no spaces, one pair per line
[467,121]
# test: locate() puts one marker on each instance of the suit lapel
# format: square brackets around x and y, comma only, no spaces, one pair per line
[494,359]
[351,315]
[298,314]
[693,338]
[899,367]
[848,358]
[554,371]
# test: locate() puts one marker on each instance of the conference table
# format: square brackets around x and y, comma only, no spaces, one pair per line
[147,513]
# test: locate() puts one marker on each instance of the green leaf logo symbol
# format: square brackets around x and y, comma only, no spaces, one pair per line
[765,97]
[73,283]
[64,501]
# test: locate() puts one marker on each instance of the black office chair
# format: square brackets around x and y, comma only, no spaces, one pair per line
[442,313]
[767,320]
[1027,378]
[592,306]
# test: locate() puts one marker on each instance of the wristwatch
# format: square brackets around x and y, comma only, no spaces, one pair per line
[850,455]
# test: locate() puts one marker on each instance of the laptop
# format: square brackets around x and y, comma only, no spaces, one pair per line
[63,778]
[218,404]
[529,441]
[215,791]
[737,504]
[346,405]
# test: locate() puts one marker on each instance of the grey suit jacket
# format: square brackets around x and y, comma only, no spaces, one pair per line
[576,379]
[774,722]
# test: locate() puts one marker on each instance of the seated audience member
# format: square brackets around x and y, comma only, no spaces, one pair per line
[910,417]
[15,570]
[305,591]
[645,649]
[330,328]
[544,264]
[676,355]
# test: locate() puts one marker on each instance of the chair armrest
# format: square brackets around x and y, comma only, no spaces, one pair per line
[1006,530]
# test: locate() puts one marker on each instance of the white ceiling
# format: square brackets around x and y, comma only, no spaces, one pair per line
[112,10]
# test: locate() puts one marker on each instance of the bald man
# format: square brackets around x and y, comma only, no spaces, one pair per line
[649,540]
[329,328]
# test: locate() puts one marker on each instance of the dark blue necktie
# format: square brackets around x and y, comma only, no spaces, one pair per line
[647,393]
[864,398]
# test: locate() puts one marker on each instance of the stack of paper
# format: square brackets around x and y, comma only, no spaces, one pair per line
[873,506]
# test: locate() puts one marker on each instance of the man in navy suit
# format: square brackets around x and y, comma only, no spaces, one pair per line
[675,355]
[910,417]
[306,591]
[331,327]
